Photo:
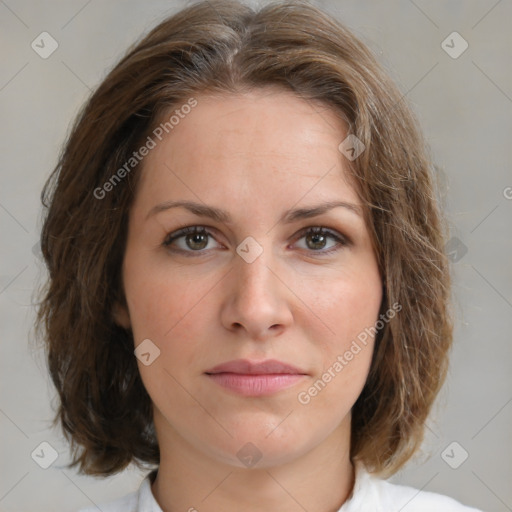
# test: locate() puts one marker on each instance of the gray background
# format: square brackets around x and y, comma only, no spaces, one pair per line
[465,107]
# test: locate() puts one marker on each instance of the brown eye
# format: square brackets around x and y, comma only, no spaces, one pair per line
[322,241]
[197,241]
[316,241]
[188,240]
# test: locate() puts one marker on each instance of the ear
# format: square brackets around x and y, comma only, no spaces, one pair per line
[121,315]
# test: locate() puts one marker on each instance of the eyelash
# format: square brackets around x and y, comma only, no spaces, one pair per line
[315,230]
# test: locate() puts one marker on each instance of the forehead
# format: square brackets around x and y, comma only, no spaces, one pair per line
[269,144]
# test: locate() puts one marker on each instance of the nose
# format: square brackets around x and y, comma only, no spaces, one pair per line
[257,304]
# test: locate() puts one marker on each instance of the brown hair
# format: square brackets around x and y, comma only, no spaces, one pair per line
[226,47]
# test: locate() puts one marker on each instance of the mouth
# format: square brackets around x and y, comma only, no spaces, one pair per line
[249,378]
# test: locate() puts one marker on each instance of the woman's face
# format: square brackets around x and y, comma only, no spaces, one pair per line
[253,283]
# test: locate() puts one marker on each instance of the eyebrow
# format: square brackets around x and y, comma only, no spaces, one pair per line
[222,216]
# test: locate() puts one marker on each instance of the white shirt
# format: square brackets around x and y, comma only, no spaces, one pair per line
[370,494]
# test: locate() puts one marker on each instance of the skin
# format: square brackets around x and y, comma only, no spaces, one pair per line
[255,155]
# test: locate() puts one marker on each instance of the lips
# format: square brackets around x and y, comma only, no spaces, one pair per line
[245,367]
[248,378]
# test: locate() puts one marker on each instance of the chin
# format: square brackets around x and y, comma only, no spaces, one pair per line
[260,445]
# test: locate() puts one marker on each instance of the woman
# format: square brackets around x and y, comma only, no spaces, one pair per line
[248,292]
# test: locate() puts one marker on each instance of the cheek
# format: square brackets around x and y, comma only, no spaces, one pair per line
[173,310]
[158,300]
[346,353]
[349,306]
[344,304]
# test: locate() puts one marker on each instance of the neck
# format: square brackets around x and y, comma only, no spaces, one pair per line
[320,480]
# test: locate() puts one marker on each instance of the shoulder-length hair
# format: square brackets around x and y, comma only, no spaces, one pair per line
[227,47]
